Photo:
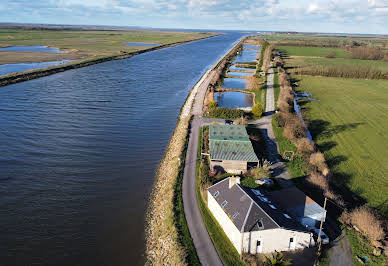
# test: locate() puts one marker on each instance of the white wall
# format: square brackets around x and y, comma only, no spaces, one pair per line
[227,225]
[275,239]
[233,167]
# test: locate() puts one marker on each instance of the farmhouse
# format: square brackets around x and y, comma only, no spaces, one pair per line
[230,149]
[302,207]
[252,221]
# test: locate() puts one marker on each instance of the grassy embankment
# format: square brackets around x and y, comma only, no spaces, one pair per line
[348,125]
[168,240]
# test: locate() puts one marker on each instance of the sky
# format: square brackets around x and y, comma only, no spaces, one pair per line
[350,16]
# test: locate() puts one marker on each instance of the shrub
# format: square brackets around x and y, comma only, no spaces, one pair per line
[304,146]
[257,110]
[260,172]
[368,53]
[365,221]
[213,104]
[331,55]
[318,180]
[318,160]
[225,113]
[252,83]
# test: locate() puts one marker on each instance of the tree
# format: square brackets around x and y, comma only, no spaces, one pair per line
[257,110]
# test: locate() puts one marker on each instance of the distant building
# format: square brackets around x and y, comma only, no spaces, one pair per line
[252,222]
[303,208]
[230,149]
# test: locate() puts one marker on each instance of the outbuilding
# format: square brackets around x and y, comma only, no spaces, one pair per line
[230,149]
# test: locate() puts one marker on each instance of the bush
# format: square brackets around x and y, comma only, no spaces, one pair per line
[368,53]
[304,146]
[318,180]
[257,110]
[213,104]
[331,55]
[365,221]
[225,113]
[318,160]
[260,172]
[242,121]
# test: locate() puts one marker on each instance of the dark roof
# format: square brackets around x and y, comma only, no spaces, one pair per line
[296,202]
[230,142]
[251,209]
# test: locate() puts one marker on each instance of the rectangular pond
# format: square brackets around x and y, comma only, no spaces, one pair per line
[234,83]
[234,67]
[240,74]
[20,67]
[140,44]
[33,48]
[233,99]
[246,56]
[248,46]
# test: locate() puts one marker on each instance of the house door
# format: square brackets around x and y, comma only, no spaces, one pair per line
[259,246]
[292,242]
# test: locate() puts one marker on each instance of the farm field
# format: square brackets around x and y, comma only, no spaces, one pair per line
[305,61]
[311,51]
[349,124]
[83,43]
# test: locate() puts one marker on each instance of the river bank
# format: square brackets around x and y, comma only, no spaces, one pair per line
[34,74]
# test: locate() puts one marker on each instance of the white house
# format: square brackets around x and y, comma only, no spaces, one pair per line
[252,222]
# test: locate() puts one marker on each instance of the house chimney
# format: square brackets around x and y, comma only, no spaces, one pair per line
[233,180]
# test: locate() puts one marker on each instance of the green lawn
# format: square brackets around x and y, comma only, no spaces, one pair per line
[350,125]
[311,51]
[322,61]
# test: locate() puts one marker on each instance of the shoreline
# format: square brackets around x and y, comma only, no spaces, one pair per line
[38,73]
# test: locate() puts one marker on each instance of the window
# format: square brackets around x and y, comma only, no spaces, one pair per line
[235,215]
[272,206]
[286,215]
[258,243]
[291,239]
[224,203]
[216,194]
[260,224]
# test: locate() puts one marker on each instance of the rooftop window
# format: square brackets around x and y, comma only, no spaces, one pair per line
[224,203]
[235,215]
[286,215]
[272,206]
[260,224]
[216,194]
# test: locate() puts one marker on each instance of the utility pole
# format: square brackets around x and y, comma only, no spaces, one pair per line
[320,230]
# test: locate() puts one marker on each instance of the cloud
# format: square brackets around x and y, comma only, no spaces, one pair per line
[302,15]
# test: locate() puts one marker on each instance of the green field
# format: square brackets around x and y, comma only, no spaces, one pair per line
[310,51]
[350,125]
[306,61]
[84,43]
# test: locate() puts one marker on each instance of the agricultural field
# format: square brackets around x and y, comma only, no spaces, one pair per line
[349,123]
[311,51]
[305,61]
[83,43]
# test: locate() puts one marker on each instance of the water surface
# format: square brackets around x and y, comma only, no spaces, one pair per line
[239,74]
[20,67]
[232,99]
[33,48]
[79,151]
[248,46]
[234,83]
[246,56]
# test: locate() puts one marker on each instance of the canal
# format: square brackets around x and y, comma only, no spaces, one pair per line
[79,151]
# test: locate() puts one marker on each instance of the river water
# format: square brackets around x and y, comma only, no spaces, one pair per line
[78,153]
